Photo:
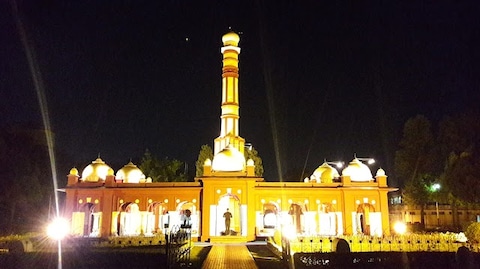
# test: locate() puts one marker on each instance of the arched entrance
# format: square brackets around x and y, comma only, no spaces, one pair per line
[328,220]
[270,215]
[129,222]
[227,216]
[91,221]
[185,210]
[363,218]
[157,218]
[296,212]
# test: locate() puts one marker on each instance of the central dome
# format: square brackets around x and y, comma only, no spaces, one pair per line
[326,173]
[228,160]
[358,171]
[96,171]
[130,173]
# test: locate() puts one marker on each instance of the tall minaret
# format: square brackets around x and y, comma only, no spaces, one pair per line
[230,108]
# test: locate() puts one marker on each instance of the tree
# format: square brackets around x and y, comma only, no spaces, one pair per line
[458,145]
[473,232]
[150,166]
[252,153]
[163,170]
[25,180]
[206,152]
[464,177]
[414,162]
[173,170]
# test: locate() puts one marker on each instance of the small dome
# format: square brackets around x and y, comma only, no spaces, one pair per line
[230,39]
[130,173]
[74,171]
[95,171]
[250,162]
[380,172]
[358,171]
[326,173]
[208,162]
[228,160]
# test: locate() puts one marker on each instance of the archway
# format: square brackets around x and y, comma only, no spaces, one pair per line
[270,215]
[229,215]
[88,210]
[157,218]
[363,218]
[328,220]
[129,220]
[296,212]
[188,214]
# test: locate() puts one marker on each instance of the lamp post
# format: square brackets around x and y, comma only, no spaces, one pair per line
[435,188]
[57,230]
[337,164]
[368,160]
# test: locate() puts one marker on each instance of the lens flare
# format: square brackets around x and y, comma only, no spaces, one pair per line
[58,229]
[400,228]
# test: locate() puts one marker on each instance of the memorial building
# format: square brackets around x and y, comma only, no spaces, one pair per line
[228,203]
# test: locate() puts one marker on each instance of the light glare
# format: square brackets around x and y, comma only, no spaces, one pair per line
[58,229]
[400,228]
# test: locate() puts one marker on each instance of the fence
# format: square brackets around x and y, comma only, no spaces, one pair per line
[435,250]
[177,248]
[437,242]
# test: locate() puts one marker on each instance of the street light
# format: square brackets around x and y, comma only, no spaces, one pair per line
[337,164]
[436,187]
[368,160]
[58,229]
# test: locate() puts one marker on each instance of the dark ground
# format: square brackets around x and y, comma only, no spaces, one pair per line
[265,258]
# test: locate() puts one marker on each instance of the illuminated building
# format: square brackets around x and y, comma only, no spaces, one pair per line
[102,203]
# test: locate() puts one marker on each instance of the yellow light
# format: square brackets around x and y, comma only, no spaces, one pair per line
[121,201]
[262,201]
[150,201]
[165,201]
[194,201]
[400,227]
[58,229]
[178,201]
[97,201]
[137,201]
[80,201]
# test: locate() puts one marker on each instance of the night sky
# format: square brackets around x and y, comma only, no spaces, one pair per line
[318,80]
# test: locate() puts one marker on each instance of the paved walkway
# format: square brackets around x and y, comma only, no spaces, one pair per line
[229,256]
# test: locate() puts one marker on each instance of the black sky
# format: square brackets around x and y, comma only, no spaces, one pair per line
[325,79]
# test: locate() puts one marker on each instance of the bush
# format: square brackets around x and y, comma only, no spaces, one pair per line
[473,232]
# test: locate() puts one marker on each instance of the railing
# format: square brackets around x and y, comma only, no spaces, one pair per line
[409,243]
[177,248]
[438,249]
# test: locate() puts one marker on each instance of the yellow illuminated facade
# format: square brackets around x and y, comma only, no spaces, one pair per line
[228,203]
